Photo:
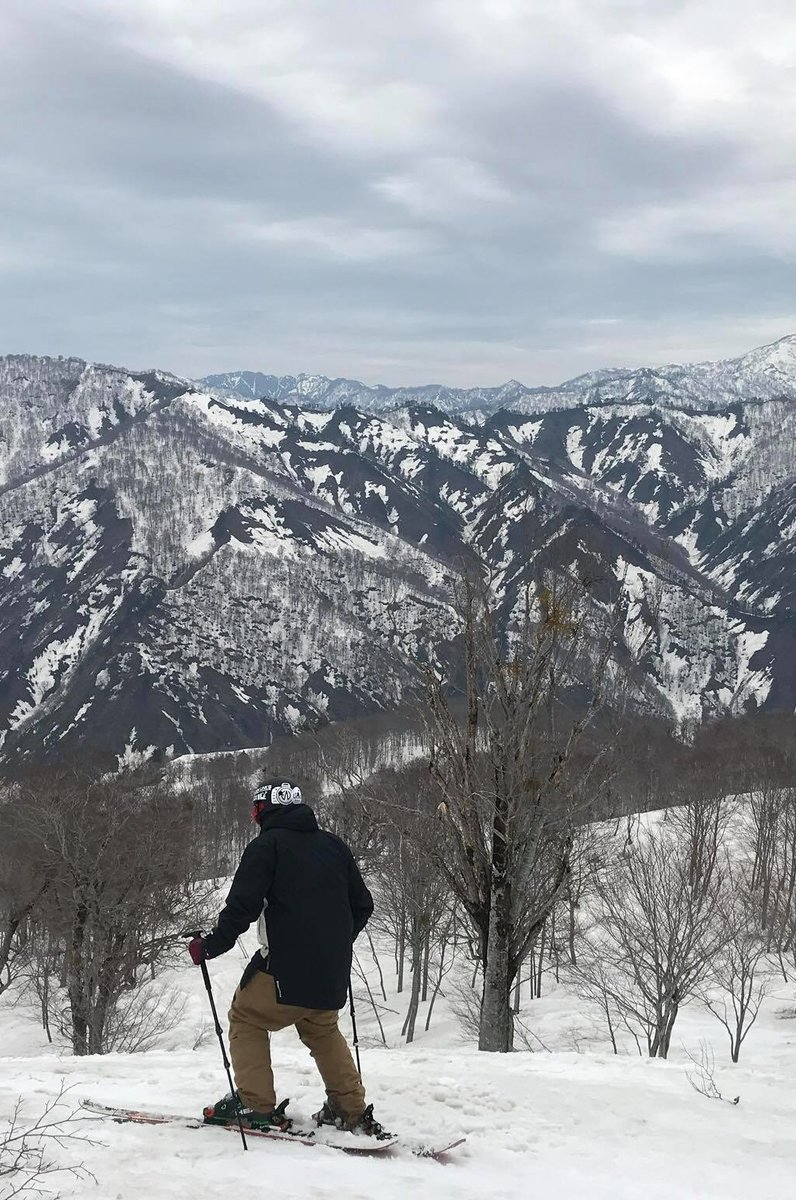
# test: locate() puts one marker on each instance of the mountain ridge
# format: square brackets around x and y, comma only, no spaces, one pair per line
[185,570]
[762,371]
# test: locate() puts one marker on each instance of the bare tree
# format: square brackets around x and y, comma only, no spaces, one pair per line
[591,844]
[118,852]
[141,1019]
[655,936]
[700,818]
[768,803]
[515,774]
[415,900]
[595,983]
[740,975]
[358,970]
[447,940]
[781,897]
[23,884]
[44,967]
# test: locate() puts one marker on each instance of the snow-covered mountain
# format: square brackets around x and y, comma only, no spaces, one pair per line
[189,570]
[765,373]
[318,391]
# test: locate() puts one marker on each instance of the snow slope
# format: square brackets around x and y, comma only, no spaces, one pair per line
[559,1125]
[568,1121]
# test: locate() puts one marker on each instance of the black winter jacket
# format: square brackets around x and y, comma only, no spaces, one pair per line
[315,905]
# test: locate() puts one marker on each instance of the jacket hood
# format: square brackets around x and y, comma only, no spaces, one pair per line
[299,817]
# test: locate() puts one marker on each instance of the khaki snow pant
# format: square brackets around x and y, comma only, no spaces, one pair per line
[255,1014]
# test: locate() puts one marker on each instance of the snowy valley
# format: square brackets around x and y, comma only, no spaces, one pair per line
[186,568]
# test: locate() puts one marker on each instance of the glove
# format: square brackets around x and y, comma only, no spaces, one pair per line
[196,949]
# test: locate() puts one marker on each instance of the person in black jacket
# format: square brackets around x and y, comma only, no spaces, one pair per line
[303,888]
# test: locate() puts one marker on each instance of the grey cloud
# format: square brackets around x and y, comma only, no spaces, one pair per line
[86,109]
[152,215]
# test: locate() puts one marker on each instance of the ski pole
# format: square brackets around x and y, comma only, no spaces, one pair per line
[354,1027]
[220,1035]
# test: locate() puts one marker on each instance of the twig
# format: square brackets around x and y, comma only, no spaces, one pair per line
[702,1077]
[23,1161]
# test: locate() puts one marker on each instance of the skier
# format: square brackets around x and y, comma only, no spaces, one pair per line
[303,888]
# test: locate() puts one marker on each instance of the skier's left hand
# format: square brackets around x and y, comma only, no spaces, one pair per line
[196,949]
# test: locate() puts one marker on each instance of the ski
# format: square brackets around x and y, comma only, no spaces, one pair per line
[302,1137]
[436,1152]
[331,1139]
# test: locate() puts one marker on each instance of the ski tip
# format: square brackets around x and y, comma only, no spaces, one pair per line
[438,1153]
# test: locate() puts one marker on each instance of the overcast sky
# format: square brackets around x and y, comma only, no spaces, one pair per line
[397,190]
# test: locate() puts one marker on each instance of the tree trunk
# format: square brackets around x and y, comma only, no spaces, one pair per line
[607,1008]
[401,953]
[45,1001]
[667,1036]
[408,1030]
[573,957]
[100,1009]
[77,984]
[426,962]
[659,1046]
[378,966]
[496,1028]
[6,943]
[438,984]
[540,964]
[15,919]
[96,1027]
[78,1016]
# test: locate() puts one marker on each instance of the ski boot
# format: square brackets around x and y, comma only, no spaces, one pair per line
[364,1123]
[225,1112]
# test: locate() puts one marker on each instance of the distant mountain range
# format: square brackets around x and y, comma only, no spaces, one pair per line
[762,375]
[187,568]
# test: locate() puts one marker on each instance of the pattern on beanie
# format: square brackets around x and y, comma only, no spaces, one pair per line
[278,793]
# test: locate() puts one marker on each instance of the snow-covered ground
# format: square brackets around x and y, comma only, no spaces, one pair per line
[569,1120]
